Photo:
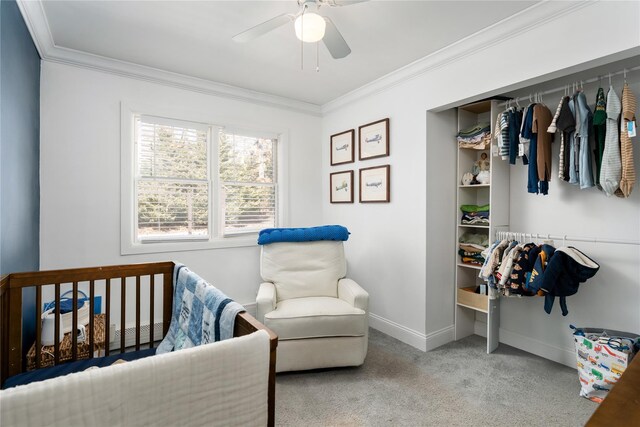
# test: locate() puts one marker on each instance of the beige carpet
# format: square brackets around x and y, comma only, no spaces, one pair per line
[455,385]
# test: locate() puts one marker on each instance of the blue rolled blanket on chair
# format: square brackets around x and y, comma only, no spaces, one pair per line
[309,234]
[201,313]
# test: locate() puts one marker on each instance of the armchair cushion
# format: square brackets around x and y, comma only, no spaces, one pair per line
[303,269]
[316,317]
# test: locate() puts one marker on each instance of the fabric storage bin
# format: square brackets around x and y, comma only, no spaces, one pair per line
[602,356]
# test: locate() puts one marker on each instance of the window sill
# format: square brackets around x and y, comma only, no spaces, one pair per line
[182,245]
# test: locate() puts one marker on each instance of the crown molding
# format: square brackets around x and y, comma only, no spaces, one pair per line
[526,20]
[36,21]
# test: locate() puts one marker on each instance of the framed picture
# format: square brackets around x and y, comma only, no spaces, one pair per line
[375,184]
[342,150]
[341,187]
[374,140]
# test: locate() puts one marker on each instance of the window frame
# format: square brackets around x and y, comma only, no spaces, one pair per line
[216,239]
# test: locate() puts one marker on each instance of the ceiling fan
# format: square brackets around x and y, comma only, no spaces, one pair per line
[309,26]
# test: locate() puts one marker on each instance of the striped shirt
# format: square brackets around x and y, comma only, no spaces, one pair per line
[626,147]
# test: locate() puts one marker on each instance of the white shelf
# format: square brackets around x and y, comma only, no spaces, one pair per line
[472,308]
[496,194]
[475,267]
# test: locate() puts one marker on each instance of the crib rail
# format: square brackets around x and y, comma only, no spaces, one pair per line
[11,354]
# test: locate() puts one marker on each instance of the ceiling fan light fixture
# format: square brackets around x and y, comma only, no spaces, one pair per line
[314,26]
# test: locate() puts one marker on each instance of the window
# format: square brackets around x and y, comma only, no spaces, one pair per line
[172,179]
[195,185]
[247,182]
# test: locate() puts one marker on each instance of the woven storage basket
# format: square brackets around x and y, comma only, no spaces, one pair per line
[66,348]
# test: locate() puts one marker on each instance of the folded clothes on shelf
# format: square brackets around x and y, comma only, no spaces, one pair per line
[475,215]
[477,136]
[471,247]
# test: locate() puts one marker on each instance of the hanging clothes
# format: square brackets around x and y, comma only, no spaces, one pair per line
[583,112]
[611,168]
[527,132]
[504,130]
[515,122]
[599,131]
[573,149]
[628,169]
[541,121]
[566,124]
[553,128]
[567,268]
[524,141]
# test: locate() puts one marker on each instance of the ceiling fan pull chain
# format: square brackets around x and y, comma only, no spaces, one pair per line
[317,57]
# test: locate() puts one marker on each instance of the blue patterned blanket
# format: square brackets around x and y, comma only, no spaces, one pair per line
[201,313]
[324,232]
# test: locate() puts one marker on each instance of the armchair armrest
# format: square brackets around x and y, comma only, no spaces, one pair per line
[266,300]
[351,292]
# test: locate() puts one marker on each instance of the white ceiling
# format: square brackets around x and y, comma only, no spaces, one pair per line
[194,38]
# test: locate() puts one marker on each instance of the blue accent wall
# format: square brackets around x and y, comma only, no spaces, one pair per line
[19,153]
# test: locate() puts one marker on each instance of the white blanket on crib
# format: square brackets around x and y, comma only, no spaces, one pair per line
[219,384]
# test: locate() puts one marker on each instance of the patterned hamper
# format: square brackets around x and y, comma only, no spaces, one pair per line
[602,355]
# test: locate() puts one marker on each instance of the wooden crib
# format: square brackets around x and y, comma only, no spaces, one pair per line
[12,361]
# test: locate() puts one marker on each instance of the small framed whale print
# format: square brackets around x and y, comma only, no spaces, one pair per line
[373,140]
[341,187]
[342,147]
[375,185]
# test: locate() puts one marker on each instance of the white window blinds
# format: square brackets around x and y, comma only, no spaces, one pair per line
[248,187]
[172,179]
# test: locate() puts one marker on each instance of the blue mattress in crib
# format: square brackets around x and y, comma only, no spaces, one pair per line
[72,367]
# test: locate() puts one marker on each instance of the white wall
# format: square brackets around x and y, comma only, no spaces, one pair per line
[387,253]
[80,172]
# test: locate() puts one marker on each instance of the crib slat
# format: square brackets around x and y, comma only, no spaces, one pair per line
[74,323]
[107,320]
[14,314]
[92,294]
[38,325]
[123,311]
[56,329]
[137,313]
[151,316]
[167,298]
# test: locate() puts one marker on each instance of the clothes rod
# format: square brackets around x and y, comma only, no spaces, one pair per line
[564,88]
[513,234]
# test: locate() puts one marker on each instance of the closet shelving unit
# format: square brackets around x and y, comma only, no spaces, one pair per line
[496,194]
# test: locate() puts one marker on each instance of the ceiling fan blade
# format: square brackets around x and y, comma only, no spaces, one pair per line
[333,40]
[263,28]
[334,3]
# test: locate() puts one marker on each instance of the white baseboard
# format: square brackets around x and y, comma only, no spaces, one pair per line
[406,335]
[539,348]
[424,342]
[530,345]
[440,337]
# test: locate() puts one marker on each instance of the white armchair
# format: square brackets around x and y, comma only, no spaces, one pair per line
[320,317]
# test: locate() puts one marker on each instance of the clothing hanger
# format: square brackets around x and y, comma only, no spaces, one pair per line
[609,79]
[624,73]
